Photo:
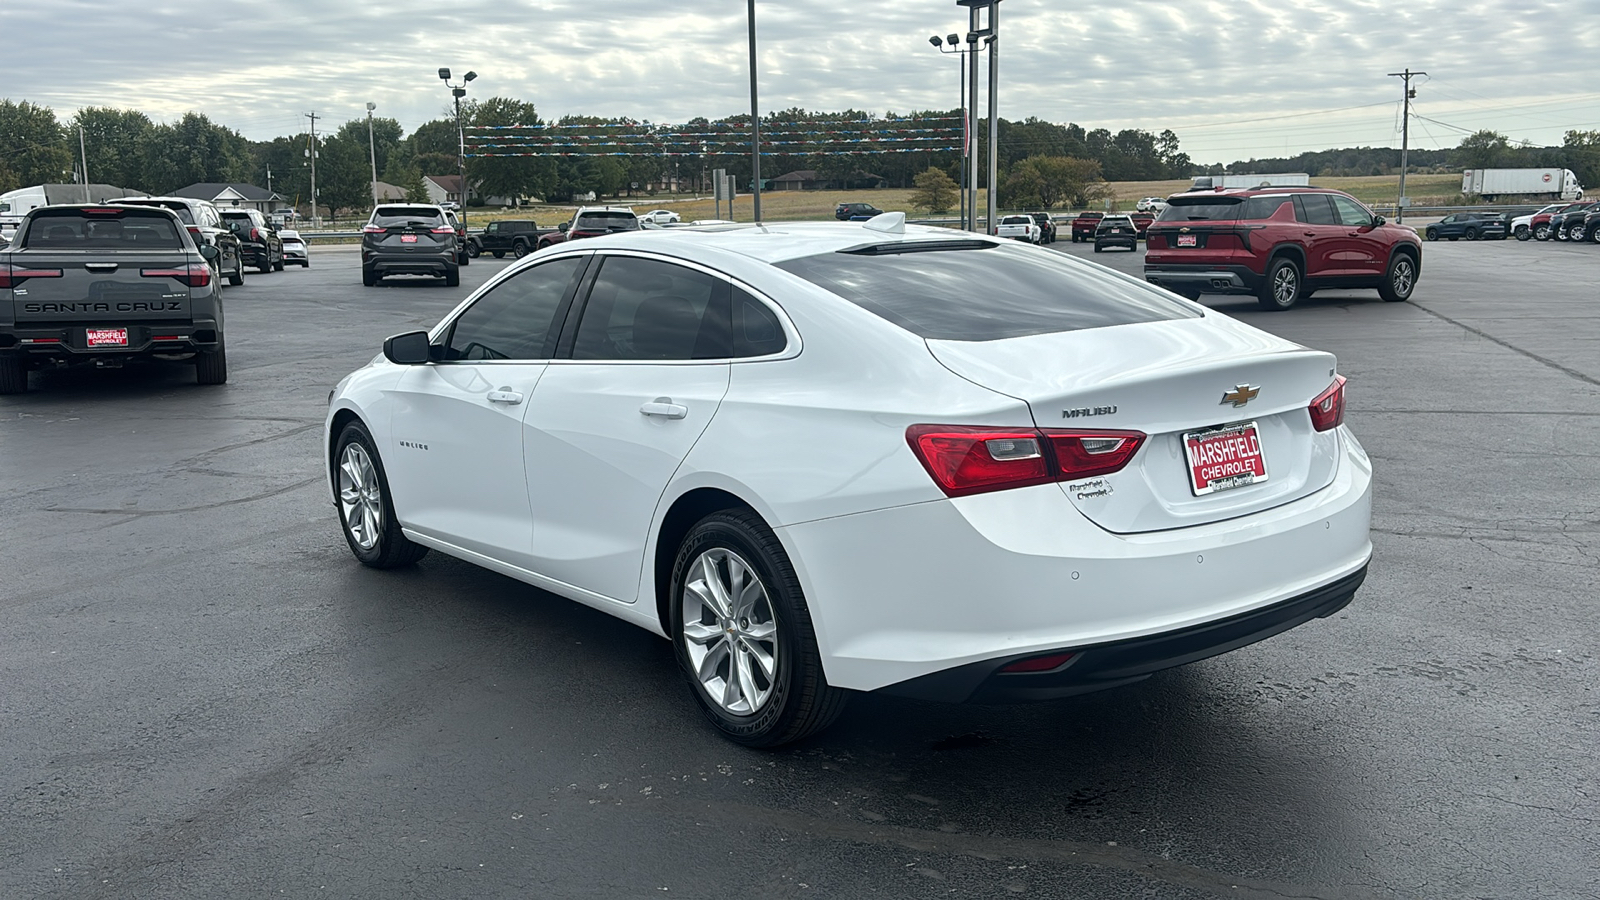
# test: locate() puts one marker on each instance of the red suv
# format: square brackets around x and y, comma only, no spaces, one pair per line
[1279,244]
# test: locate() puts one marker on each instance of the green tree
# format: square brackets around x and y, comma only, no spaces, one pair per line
[1581,150]
[1048,181]
[344,175]
[503,176]
[33,148]
[115,141]
[936,192]
[1481,150]
[385,138]
[195,149]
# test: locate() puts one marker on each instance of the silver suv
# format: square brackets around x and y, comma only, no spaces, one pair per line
[410,239]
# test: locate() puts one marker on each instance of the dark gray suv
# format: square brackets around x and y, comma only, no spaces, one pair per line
[409,239]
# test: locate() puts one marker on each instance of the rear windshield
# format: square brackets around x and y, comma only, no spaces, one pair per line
[607,221]
[1016,220]
[123,229]
[1201,209]
[987,294]
[401,215]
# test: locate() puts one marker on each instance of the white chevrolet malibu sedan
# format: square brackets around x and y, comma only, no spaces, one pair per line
[825,458]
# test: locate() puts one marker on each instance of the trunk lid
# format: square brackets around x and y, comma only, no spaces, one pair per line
[1167,379]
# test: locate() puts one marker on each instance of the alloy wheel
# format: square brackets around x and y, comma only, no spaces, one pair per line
[729,632]
[1285,285]
[1405,276]
[360,497]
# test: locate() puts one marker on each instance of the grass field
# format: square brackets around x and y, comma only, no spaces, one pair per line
[793,206]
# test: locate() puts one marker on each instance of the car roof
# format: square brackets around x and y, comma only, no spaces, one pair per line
[776,242]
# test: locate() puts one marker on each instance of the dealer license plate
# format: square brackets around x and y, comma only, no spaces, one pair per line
[1224,458]
[408,239]
[106,337]
[1188,240]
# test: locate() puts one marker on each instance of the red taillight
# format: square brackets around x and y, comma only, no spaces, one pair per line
[1084,454]
[444,229]
[194,276]
[194,229]
[1327,411]
[255,234]
[374,229]
[1039,663]
[11,276]
[972,460]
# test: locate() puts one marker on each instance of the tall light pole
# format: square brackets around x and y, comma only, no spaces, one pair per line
[974,34]
[1405,139]
[372,148]
[755,118]
[311,155]
[994,113]
[954,41]
[459,91]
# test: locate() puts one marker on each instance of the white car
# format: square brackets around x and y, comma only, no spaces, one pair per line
[1522,226]
[833,457]
[1150,204]
[661,217]
[1018,228]
[294,248]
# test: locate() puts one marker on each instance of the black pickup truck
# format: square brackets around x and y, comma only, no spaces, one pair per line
[519,237]
[101,285]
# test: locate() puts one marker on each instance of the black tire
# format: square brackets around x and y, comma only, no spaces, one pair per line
[1283,286]
[237,278]
[211,367]
[463,259]
[1399,280]
[800,702]
[1097,247]
[278,266]
[474,251]
[499,254]
[1431,234]
[1522,233]
[1541,232]
[1593,236]
[390,548]
[13,375]
[369,276]
[452,277]
[519,249]
[1471,234]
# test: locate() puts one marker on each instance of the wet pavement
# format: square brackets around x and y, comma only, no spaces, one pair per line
[204,695]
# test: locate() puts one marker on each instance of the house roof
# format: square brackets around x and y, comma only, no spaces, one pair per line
[450,184]
[218,192]
[387,191]
[799,175]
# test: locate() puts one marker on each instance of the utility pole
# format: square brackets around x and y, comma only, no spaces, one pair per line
[1405,139]
[971,122]
[312,153]
[84,154]
[994,114]
[755,118]
[372,148]
[269,179]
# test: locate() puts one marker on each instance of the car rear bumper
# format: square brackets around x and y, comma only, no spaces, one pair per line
[67,344]
[437,264]
[1228,279]
[931,599]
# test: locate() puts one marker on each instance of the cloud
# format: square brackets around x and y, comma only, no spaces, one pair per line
[1233,78]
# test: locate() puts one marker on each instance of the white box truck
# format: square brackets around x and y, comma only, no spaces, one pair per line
[18,203]
[1236,182]
[1545,184]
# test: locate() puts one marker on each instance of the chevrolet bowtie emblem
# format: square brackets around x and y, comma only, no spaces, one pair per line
[1240,395]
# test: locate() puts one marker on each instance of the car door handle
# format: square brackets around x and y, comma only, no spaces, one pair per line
[505,395]
[1309,233]
[664,408]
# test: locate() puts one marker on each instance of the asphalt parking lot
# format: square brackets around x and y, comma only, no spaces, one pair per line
[204,694]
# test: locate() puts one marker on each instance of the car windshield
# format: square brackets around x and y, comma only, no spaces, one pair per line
[607,221]
[406,215]
[1201,209]
[1016,220]
[113,229]
[985,293]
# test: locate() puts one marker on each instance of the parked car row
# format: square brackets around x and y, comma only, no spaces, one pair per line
[1566,221]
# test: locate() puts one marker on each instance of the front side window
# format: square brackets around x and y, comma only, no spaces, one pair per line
[645,309]
[1350,212]
[514,320]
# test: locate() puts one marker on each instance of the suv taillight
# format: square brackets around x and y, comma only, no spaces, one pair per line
[373,229]
[444,229]
[11,276]
[198,275]
[967,459]
[1327,410]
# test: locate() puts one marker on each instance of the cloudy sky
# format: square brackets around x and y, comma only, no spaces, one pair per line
[1234,79]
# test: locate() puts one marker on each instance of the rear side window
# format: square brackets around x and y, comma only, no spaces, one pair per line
[987,294]
[1201,209]
[1315,209]
[1263,207]
[124,229]
[402,215]
[645,309]
[756,331]
[513,321]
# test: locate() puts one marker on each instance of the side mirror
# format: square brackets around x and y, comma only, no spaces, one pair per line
[409,349]
[209,252]
[1378,220]
[563,227]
